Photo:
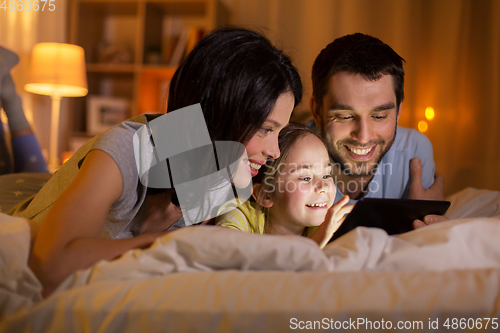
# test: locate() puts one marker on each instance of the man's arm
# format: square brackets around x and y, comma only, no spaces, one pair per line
[417,190]
[426,183]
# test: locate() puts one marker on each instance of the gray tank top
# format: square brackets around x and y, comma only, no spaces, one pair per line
[124,218]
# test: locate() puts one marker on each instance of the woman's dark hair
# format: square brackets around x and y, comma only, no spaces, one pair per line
[236,75]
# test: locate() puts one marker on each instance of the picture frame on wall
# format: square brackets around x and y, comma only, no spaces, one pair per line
[105,112]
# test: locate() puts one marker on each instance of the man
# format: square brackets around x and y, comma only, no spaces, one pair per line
[358,90]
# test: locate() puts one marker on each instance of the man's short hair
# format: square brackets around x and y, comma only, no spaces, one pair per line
[358,54]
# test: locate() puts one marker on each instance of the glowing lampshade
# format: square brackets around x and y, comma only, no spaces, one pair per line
[57,70]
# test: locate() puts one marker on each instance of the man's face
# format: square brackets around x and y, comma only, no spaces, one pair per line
[358,121]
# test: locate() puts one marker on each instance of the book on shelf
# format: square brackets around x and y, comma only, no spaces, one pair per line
[180,49]
[171,31]
[163,89]
[195,34]
[178,40]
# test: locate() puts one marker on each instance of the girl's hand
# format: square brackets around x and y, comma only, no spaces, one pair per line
[333,219]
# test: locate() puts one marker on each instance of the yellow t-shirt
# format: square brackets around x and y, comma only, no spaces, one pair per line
[245,217]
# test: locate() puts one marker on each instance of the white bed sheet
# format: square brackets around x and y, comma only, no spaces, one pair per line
[216,279]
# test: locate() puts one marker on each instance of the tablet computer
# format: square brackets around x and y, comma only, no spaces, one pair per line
[395,216]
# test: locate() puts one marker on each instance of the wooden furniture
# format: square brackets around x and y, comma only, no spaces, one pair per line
[129,45]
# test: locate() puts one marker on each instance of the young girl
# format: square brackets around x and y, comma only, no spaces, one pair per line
[296,191]
[96,208]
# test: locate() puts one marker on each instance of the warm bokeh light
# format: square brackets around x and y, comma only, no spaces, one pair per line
[429,113]
[66,155]
[422,126]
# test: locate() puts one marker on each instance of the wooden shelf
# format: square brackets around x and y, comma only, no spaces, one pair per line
[112,68]
[128,43]
[154,83]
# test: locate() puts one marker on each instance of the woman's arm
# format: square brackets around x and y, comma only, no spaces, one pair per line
[68,239]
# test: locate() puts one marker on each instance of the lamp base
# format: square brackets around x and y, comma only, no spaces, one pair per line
[54,162]
[53,167]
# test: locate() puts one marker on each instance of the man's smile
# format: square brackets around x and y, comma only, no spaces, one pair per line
[361,154]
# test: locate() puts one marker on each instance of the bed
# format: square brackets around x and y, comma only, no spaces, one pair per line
[212,279]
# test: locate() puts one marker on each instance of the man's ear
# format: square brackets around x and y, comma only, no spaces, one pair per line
[266,199]
[316,111]
[399,112]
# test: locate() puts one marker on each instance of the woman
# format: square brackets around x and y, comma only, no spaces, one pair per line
[95,203]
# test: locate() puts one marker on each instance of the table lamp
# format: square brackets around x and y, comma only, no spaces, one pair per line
[56,70]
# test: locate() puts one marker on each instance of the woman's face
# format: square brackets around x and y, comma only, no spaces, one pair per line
[264,143]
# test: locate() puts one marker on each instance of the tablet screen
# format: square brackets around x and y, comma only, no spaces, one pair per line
[395,216]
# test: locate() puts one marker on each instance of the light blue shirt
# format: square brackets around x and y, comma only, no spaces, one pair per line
[392,178]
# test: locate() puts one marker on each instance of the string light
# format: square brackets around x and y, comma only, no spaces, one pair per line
[429,113]
[422,126]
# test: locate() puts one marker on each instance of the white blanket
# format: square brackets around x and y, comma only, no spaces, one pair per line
[224,278]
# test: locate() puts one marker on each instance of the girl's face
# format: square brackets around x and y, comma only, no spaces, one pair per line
[264,143]
[304,190]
